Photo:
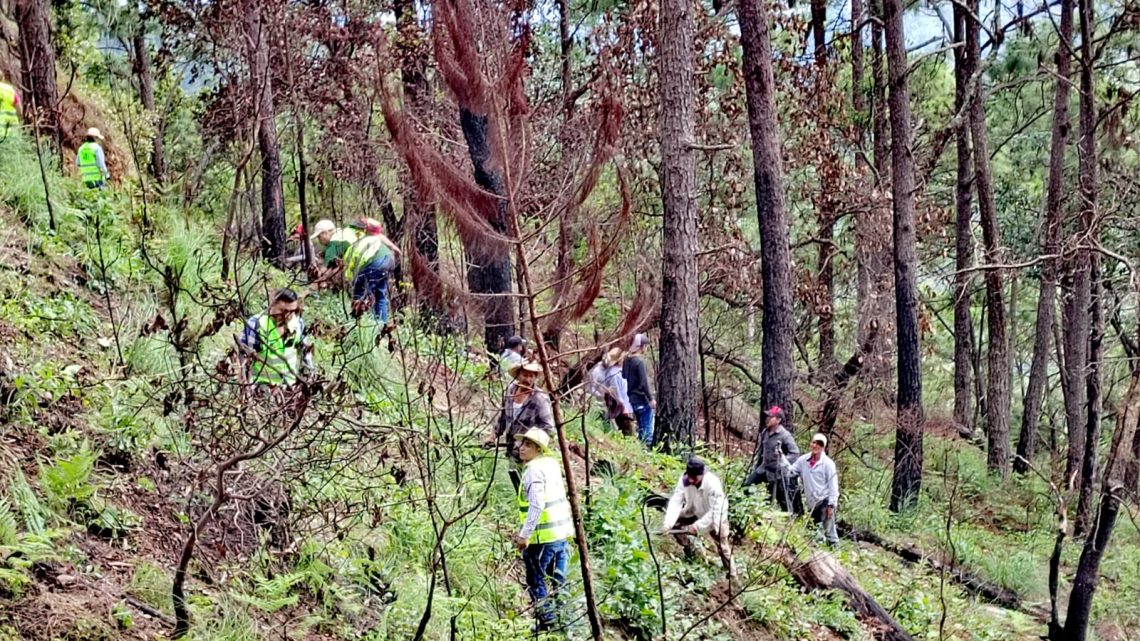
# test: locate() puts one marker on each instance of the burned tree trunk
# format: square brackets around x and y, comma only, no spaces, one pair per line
[677,375]
[489,273]
[1111,496]
[37,59]
[907,479]
[778,370]
[997,346]
[261,81]
[1087,183]
[1046,298]
[964,244]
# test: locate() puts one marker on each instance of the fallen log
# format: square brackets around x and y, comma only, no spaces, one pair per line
[971,582]
[821,571]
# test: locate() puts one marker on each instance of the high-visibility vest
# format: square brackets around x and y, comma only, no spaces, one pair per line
[555,524]
[361,253]
[88,162]
[8,115]
[278,360]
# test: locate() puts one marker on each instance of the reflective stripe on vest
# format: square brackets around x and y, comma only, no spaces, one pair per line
[89,163]
[555,523]
[278,361]
[361,253]
[8,115]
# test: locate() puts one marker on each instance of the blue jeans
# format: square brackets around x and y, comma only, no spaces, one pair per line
[373,280]
[644,415]
[545,561]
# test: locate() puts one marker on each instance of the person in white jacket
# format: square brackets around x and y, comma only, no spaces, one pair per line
[698,504]
[821,485]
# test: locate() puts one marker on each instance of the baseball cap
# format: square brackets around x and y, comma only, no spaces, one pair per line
[321,227]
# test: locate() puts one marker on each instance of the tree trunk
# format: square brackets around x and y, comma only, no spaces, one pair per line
[37,59]
[419,215]
[1087,169]
[880,116]
[1075,326]
[1112,489]
[677,375]
[1050,246]
[140,65]
[778,370]
[489,273]
[272,196]
[964,243]
[825,209]
[997,346]
[907,480]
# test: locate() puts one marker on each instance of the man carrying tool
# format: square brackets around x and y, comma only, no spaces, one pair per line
[525,407]
[92,162]
[698,504]
[546,524]
[367,264]
[774,442]
[821,485]
[276,351]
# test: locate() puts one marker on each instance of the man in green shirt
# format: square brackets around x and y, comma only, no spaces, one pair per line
[335,240]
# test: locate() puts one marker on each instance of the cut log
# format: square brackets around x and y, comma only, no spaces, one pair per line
[821,571]
[972,583]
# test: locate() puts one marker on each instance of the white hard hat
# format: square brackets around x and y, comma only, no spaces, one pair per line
[321,227]
[94,133]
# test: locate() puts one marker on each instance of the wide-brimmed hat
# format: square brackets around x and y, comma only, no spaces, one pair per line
[524,366]
[537,436]
[94,133]
[321,227]
[613,356]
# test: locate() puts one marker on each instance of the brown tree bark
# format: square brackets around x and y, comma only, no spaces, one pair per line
[907,479]
[997,345]
[37,60]
[272,194]
[777,341]
[1050,246]
[677,376]
[963,238]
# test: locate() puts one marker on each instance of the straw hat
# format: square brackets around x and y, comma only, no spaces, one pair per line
[524,366]
[537,436]
[613,356]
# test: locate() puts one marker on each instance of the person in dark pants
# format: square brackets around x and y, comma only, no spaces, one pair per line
[821,486]
[775,443]
[639,389]
[367,263]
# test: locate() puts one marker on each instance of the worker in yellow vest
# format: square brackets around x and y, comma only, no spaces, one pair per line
[92,162]
[9,108]
[546,524]
[275,348]
[368,262]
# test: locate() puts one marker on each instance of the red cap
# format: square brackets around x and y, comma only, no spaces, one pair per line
[775,410]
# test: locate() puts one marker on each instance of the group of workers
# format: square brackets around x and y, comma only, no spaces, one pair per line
[698,503]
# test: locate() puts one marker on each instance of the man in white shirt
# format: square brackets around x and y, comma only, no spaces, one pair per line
[698,504]
[821,486]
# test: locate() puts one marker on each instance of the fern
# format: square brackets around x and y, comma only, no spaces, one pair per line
[26,502]
[9,534]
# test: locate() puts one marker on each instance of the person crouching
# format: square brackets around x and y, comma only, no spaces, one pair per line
[698,504]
